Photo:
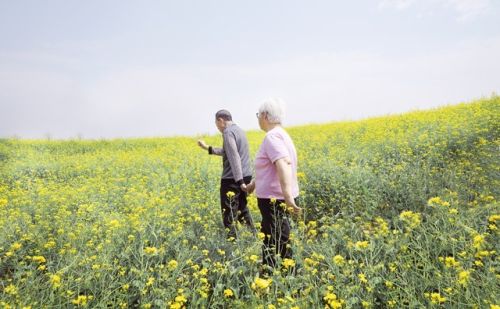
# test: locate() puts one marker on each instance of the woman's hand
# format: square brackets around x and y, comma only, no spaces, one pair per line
[249,188]
[292,207]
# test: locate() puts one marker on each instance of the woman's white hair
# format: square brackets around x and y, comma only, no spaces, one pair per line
[274,108]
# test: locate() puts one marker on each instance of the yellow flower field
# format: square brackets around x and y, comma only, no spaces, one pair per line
[399,211]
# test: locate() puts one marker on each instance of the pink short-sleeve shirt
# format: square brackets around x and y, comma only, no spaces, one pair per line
[277,144]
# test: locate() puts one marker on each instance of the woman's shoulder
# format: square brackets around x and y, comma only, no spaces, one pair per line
[274,138]
[276,133]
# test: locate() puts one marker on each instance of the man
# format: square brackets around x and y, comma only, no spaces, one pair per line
[236,172]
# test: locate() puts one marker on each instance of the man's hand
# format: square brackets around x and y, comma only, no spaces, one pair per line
[202,144]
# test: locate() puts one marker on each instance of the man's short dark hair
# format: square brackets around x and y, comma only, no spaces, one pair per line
[224,114]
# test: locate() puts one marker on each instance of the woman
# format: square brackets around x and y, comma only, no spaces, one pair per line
[275,183]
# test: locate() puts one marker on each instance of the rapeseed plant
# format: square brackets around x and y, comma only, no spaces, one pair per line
[391,204]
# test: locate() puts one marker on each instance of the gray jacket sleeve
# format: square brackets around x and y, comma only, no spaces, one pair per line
[216,151]
[233,156]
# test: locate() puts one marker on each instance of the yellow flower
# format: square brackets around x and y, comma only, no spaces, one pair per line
[435,298]
[362,278]
[15,246]
[288,263]
[228,293]
[283,206]
[253,258]
[478,241]
[261,286]
[483,253]
[150,250]
[38,259]
[10,289]
[449,261]
[55,280]
[180,299]
[437,201]
[203,293]
[310,262]
[3,202]
[331,301]
[312,233]
[230,194]
[114,224]
[382,228]
[338,260]
[463,277]
[203,272]
[81,300]
[150,282]
[172,265]
[361,244]
[494,218]
[410,218]
[50,244]
[261,235]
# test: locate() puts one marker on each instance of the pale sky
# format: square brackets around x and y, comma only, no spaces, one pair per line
[107,69]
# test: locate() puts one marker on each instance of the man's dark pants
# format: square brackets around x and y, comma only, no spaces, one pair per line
[235,207]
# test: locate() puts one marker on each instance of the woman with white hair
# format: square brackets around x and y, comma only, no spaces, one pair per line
[275,183]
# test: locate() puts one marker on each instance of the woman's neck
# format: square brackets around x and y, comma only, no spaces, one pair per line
[271,126]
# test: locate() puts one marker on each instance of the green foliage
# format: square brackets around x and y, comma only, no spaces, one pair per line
[399,211]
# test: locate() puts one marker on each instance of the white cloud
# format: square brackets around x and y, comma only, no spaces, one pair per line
[468,9]
[464,10]
[398,4]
